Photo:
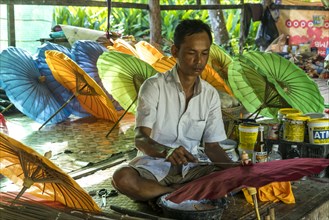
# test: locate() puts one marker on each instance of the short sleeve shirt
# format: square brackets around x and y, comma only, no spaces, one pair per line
[161,107]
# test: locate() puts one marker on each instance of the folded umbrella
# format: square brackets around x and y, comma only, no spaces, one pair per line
[218,184]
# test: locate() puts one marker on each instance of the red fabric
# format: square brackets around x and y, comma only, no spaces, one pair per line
[3,126]
[218,184]
[8,197]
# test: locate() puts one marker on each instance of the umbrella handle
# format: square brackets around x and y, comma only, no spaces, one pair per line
[253,192]
[117,122]
[60,109]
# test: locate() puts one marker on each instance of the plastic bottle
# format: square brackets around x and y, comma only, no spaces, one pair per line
[274,153]
[293,152]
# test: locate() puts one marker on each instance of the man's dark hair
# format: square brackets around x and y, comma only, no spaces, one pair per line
[188,27]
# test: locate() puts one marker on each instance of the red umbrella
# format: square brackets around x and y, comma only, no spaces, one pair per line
[218,184]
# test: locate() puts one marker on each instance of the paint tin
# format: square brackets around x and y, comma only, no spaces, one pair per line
[318,131]
[294,128]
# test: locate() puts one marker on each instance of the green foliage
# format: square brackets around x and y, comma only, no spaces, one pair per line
[136,21]
[130,22]
[87,17]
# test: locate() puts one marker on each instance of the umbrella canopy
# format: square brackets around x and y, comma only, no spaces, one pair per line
[92,98]
[164,64]
[208,74]
[63,93]
[123,74]
[73,33]
[123,46]
[31,92]
[253,90]
[37,174]
[291,82]
[219,60]
[218,184]
[86,53]
[147,52]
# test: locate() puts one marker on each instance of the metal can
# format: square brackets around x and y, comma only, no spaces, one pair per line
[294,128]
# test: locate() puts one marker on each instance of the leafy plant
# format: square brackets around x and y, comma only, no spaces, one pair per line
[129,21]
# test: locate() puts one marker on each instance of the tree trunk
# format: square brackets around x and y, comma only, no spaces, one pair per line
[155,24]
[218,24]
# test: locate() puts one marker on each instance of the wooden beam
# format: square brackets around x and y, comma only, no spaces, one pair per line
[155,24]
[299,7]
[89,3]
[198,7]
[93,3]
[11,25]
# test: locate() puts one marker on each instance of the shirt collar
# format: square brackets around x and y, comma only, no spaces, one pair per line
[172,75]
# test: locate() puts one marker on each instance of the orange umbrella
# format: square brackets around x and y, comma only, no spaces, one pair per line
[147,52]
[40,177]
[219,60]
[209,74]
[164,64]
[124,47]
[90,95]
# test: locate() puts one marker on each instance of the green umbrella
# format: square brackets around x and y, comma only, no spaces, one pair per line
[122,75]
[219,60]
[256,94]
[291,82]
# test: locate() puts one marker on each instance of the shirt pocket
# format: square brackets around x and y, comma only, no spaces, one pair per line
[195,129]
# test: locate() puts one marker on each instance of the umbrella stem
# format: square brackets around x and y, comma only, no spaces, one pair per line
[60,109]
[19,194]
[117,122]
[255,112]
[8,107]
[262,106]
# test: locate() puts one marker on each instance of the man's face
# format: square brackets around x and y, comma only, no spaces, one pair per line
[192,55]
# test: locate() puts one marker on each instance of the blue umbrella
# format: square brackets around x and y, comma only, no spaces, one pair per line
[86,54]
[27,89]
[74,105]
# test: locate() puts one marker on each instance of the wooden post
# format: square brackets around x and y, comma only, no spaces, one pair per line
[242,28]
[218,24]
[11,25]
[155,23]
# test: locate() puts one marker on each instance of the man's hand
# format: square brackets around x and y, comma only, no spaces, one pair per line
[179,156]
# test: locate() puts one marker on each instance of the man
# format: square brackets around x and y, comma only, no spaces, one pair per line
[176,110]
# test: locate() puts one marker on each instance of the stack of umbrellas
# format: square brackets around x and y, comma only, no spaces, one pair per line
[34,90]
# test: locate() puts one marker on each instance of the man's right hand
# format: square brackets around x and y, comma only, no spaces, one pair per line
[179,156]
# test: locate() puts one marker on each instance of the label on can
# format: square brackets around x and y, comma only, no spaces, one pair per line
[321,135]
